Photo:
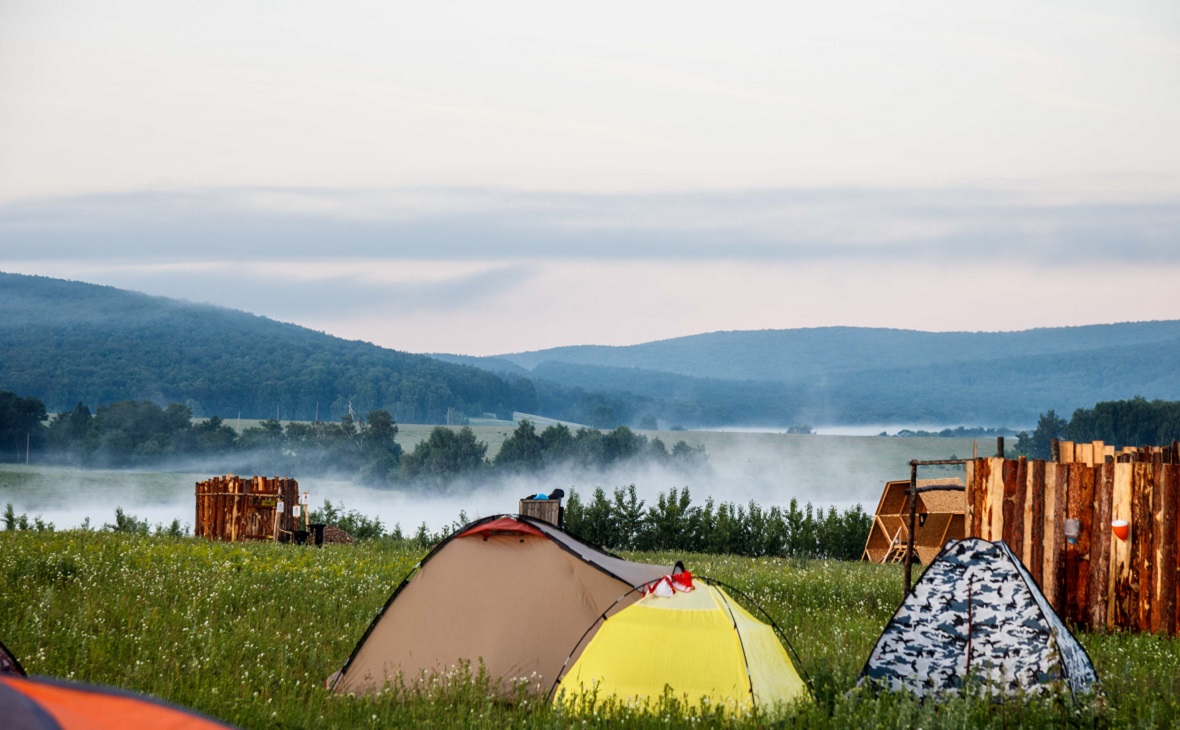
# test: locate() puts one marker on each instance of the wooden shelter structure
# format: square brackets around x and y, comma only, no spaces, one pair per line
[233,509]
[941,515]
[1096,527]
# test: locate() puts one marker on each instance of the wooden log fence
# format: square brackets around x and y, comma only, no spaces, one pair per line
[233,508]
[1059,516]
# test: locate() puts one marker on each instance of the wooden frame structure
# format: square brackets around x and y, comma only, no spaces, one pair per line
[941,514]
[234,509]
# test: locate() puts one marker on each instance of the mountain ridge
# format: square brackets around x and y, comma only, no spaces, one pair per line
[65,342]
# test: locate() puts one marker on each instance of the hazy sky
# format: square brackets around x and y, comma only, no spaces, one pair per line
[482,178]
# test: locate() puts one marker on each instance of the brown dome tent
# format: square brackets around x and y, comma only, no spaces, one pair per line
[512,594]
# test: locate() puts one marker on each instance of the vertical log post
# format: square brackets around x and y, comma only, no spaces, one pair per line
[909,548]
[1100,546]
[1144,548]
[1038,516]
[1169,508]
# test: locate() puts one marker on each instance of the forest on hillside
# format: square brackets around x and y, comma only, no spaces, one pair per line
[1134,422]
[131,434]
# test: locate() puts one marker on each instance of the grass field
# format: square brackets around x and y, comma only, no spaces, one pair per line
[248,633]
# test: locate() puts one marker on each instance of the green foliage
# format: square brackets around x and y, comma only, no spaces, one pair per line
[21,426]
[446,455]
[959,432]
[588,448]
[524,450]
[127,523]
[1038,444]
[1135,422]
[673,523]
[360,526]
[13,521]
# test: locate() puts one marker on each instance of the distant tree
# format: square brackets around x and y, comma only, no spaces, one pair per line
[130,432]
[445,454]
[214,436]
[689,456]
[622,444]
[21,425]
[523,450]
[382,452]
[557,443]
[70,432]
[603,416]
[1038,444]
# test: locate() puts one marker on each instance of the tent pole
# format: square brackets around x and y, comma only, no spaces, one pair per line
[909,549]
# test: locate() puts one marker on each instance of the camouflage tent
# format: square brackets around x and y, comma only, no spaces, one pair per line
[977,613]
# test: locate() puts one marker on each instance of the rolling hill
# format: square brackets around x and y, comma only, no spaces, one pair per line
[847,375]
[64,342]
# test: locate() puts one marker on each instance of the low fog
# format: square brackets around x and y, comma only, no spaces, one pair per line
[767,468]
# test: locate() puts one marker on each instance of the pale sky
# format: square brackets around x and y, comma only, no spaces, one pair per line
[483,178]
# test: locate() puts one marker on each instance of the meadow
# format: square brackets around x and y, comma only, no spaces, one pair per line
[249,632]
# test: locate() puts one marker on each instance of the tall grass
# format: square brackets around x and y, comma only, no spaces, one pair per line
[249,633]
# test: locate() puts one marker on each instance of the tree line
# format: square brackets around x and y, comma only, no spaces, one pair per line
[622,521]
[141,433]
[1134,422]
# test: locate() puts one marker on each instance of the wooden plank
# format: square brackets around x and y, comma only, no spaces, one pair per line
[1121,549]
[1084,500]
[1036,524]
[1159,615]
[1019,489]
[1024,484]
[1084,454]
[1097,452]
[976,498]
[1171,561]
[979,497]
[1100,546]
[995,499]
[1065,452]
[1143,551]
[969,476]
[1012,528]
[1054,542]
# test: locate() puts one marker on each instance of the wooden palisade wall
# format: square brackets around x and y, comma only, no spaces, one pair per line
[1098,581]
[232,508]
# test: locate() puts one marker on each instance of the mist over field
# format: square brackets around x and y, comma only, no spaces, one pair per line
[767,468]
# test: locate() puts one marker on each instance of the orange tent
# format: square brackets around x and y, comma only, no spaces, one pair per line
[42,703]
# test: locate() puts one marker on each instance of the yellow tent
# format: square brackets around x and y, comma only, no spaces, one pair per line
[700,645]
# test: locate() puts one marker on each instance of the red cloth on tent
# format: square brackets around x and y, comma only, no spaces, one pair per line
[669,584]
[503,524]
